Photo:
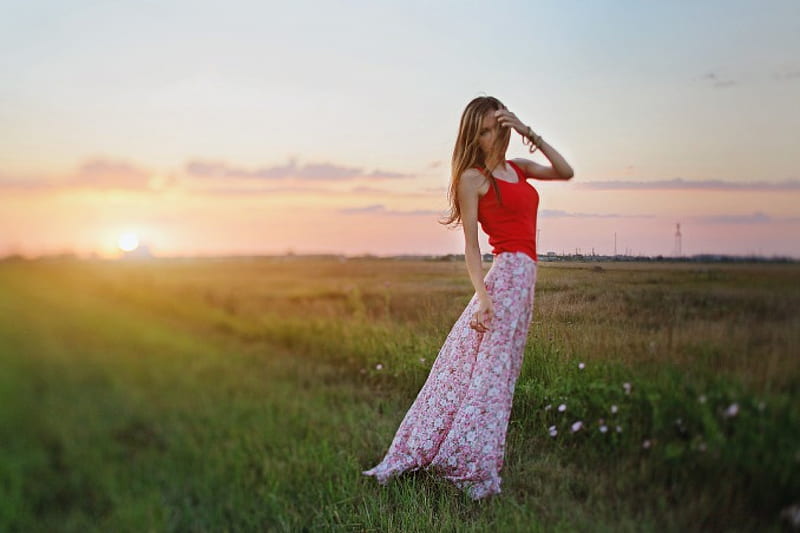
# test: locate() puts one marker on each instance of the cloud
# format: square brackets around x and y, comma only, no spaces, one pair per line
[308,172]
[96,173]
[237,190]
[24,184]
[103,173]
[787,75]
[557,213]
[381,209]
[367,190]
[756,217]
[382,174]
[682,184]
[249,188]
[717,82]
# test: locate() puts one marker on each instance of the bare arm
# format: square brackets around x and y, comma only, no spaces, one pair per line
[560,169]
[468,194]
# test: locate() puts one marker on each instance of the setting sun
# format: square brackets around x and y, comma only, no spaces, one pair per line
[128,242]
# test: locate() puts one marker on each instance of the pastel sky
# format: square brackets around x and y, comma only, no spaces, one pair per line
[261,127]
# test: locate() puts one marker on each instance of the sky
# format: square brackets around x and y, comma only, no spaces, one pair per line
[208,128]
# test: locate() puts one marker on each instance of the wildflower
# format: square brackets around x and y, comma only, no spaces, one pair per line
[732,410]
[613,409]
[619,429]
[627,387]
[562,408]
[701,398]
[421,359]
[791,515]
[603,428]
[553,431]
[548,407]
[646,444]
[379,367]
[576,426]
[581,366]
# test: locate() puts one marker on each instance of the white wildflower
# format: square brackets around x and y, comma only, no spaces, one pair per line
[379,367]
[548,407]
[603,428]
[627,387]
[562,408]
[646,443]
[577,426]
[553,431]
[421,359]
[613,409]
[581,366]
[701,398]
[791,515]
[619,429]
[732,410]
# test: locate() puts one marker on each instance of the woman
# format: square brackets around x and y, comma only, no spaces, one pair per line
[457,425]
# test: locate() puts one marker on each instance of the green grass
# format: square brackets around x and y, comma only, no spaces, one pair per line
[244,395]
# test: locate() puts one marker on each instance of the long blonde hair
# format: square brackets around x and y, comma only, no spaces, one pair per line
[467,152]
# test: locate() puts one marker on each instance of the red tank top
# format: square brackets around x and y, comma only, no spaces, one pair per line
[511,227]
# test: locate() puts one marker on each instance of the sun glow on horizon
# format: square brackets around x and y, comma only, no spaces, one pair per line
[128,242]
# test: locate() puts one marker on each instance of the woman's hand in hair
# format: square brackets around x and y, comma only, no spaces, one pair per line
[507,119]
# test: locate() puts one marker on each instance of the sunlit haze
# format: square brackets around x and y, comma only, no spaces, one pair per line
[318,127]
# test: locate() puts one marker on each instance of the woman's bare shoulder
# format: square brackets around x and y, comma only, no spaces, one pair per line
[472,178]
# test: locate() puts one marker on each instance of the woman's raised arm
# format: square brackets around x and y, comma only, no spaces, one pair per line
[560,169]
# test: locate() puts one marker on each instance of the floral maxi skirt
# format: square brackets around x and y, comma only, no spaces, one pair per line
[457,425]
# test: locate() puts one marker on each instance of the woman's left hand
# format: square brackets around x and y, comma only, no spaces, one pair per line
[508,119]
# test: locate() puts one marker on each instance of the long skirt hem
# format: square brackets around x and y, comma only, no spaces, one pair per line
[456,427]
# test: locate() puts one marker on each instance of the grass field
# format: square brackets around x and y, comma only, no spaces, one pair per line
[233,395]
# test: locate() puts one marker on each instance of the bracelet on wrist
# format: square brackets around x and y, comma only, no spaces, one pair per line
[535,141]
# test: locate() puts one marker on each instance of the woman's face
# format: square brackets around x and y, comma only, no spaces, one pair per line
[489,133]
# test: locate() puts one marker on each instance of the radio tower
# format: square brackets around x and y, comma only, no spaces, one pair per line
[677,240]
